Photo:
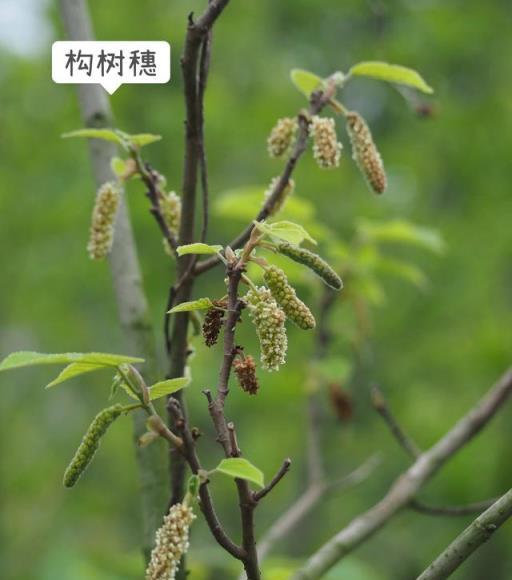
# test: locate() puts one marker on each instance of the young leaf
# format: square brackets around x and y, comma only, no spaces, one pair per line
[391,73]
[105,134]
[306,82]
[285,230]
[118,166]
[198,248]
[143,139]
[167,387]
[73,370]
[238,467]
[201,304]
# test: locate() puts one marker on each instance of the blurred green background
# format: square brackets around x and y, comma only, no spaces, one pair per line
[434,352]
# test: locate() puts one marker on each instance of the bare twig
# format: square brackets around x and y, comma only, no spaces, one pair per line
[379,402]
[476,534]
[451,510]
[283,470]
[405,488]
[127,279]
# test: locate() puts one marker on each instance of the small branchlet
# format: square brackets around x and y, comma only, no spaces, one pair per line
[313,262]
[365,152]
[172,542]
[269,321]
[103,221]
[90,443]
[286,297]
[326,148]
[282,137]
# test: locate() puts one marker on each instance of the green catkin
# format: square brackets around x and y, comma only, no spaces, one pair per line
[170,206]
[365,152]
[287,299]
[326,148]
[281,200]
[282,137]
[313,262]
[171,543]
[269,321]
[103,221]
[90,443]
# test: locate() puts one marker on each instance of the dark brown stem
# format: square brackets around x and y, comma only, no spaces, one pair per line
[283,470]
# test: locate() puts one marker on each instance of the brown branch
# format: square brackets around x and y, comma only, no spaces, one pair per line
[318,102]
[476,534]
[283,470]
[380,405]
[451,510]
[405,487]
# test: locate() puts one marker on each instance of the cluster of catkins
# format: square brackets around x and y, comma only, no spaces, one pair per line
[103,221]
[90,443]
[327,149]
[172,541]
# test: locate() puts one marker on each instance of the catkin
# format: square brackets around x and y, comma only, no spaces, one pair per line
[282,197]
[282,137]
[287,299]
[269,321]
[365,152]
[326,148]
[245,371]
[313,262]
[171,542]
[103,221]
[90,443]
[213,321]
[170,206]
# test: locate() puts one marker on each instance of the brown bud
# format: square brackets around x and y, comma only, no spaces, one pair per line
[245,371]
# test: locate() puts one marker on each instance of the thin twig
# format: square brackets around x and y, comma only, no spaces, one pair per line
[380,405]
[476,534]
[283,470]
[451,510]
[405,487]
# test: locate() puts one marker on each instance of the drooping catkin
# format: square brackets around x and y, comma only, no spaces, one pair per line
[269,321]
[213,321]
[90,443]
[282,197]
[103,221]
[287,298]
[282,137]
[365,152]
[313,262]
[245,371]
[326,147]
[171,542]
[170,206]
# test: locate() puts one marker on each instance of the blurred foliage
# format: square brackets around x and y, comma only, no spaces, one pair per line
[434,352]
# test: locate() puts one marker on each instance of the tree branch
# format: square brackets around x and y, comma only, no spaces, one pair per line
[476,534]
[283,470]
[451,510]
[127,279]
[405,488]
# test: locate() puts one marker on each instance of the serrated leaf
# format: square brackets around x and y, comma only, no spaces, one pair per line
[198,248]
[305,81]
[285,230]
[240,468]
[143,139]
[392,73]
[200,304]
[404,232]
[104,134]
[163,388]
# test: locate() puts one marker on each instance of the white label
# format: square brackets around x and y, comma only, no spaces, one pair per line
[111,63]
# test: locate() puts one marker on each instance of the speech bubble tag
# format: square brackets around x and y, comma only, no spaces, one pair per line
[111,63]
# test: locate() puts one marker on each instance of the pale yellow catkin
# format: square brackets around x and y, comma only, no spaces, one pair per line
[103,221]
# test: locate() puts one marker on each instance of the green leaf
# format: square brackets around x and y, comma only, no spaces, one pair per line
[200,304]
[198,248]
[392,73]
[105,134]
[167,387]
[238,467]
[285,230]
[118,166]
[143,139]
[403,232]
[305,81]
[73,370]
